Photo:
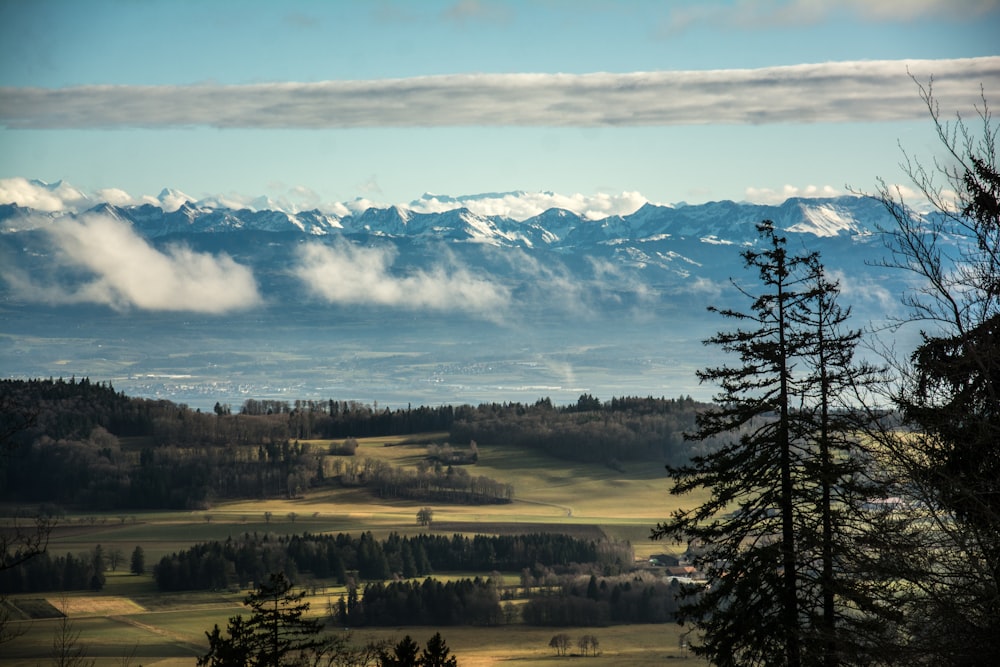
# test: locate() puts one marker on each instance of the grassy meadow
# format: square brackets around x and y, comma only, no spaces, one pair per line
[130,617]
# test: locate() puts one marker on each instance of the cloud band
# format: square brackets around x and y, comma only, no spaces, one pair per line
[827,92]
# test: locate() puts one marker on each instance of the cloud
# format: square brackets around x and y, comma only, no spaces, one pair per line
[514,205]
[865,290]
[752,15]
[117,197]
[524,205]
[771,196]
[41,196]
[827,92]
[611,277]
[117,268]
[352,275]
[551,285]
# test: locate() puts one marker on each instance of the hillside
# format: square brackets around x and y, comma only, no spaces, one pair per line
[85,446]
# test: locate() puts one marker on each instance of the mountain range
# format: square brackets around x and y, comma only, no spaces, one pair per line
[198,301]
[553,228]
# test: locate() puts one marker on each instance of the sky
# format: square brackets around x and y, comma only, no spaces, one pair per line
[587,104]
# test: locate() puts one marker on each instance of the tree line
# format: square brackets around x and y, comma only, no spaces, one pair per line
[604,601]
[622,429]
[45,572]
[431,602]
[562,601]
[89,446]
[279,631]
[429,481]
[248,559]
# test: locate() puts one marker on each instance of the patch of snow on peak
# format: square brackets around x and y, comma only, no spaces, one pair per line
[171,200]
[403,213]
[824,220]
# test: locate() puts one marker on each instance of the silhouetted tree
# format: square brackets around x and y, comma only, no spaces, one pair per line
[275,633]
[404,654]
[560,643]
[947,467]
[437,653]
[769,537]
[138,563]
[67,651]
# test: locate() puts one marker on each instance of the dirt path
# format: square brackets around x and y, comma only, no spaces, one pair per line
[565,508]
[174,637]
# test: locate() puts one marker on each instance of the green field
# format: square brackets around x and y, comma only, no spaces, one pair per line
[130,617]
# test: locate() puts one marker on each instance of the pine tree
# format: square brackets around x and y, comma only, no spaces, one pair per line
[278,621]
[404,654]
[770,537]
[842,615]
[437,653]
[234,649]
[97,577]
[746,530]
[276,632]
[138,564]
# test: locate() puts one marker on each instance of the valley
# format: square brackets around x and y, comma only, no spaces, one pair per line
[131,617]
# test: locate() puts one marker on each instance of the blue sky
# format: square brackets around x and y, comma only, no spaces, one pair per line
[323,102]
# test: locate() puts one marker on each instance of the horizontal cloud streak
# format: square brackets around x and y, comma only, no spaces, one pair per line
[346,274]
[122,270]
[751,15]
[826,92]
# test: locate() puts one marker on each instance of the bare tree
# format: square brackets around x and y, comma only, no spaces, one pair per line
[560,643]
[588,645]
[66,648]
[945,466]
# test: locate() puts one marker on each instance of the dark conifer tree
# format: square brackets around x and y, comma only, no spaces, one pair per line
[406,653]
[276,633]
[437,653]
[768,537]
[842,616]
[138,563]
[745,532]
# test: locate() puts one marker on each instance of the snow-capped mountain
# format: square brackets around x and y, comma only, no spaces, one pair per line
[436,299]
[556,228]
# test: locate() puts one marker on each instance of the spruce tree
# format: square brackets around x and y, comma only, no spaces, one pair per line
[783,477]
[745,531]
[842,616]
[138,562]
[276,633]
[437,653]
[405,653]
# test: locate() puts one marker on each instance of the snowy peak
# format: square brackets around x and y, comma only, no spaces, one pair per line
[173,212]
[171,200]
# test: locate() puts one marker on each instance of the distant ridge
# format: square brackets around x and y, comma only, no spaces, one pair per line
[728,221]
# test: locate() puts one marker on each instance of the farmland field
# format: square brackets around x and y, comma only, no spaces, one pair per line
[131,617]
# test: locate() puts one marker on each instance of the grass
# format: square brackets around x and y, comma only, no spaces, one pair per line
[130,614]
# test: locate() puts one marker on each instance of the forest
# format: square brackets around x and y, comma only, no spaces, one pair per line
[88,447]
